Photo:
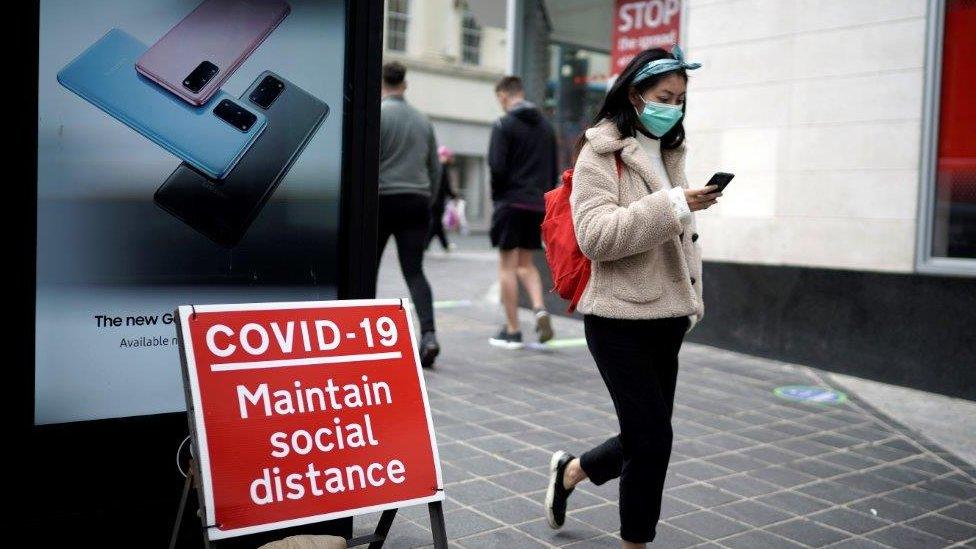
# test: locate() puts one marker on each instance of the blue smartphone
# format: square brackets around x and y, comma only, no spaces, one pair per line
[211,137]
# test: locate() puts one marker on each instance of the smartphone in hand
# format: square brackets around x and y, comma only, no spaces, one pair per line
[720,180]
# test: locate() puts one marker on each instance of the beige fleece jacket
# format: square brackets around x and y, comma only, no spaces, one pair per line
[646,262]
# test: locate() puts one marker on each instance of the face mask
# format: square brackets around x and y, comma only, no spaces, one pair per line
[659,118]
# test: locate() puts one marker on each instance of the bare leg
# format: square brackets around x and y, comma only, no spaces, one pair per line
[508,282]
[528,275]
[574,474]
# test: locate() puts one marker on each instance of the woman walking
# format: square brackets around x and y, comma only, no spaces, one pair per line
[632,213]
[445,191]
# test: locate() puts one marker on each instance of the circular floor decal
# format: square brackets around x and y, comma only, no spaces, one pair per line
[807,393]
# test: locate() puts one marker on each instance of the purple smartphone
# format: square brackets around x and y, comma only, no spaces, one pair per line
[199,54]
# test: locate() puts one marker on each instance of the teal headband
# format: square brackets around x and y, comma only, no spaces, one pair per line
[659,66]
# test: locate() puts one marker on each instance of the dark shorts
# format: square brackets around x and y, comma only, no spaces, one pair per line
[516,228]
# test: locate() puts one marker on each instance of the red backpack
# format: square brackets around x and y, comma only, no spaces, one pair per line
[569,267]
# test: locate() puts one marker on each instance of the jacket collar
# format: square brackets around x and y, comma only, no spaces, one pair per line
[604,138]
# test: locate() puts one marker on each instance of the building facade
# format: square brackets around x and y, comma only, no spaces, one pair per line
[848,238]
[455,51]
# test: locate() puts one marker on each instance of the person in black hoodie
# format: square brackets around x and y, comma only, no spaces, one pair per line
[523,160]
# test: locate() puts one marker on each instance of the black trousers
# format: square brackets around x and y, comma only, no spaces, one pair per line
[406,217]
[437,225]
[638,360]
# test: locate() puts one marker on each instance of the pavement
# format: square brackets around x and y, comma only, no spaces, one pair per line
[749,468]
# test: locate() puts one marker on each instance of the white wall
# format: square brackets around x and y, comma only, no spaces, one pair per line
[816,106]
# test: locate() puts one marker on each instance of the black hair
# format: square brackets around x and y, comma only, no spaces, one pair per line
[510,85]
[393,74]
[618,109]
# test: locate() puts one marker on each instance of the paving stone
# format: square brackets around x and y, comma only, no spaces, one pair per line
[484,466]
[497,444]
[759,539]
[455,451]
[858,543]
[708,525]
[513,510]
[695,448]
[771,455]
[745,486]
[887,509]
[848,520]
[835,440]
[928,465]
[406,534]
[946,528]
[868,482]
[792,502]
[478,491]
[542,437]
[782,476]
[902,537]
[702,495]
[817,468]
[602,542]
[880,452]
[848,459]
[950,488]
[807,532]
[700,470]
[521,481]
[604,517]
[668,536]
[761,434]
[752,512]
[508,426]
[464,522]
[962,511]
[902,475]
[501,539]
[737,462]
[728,441]
[672,507]
[674,480]
[452,474]
[793,429]
[834,492]
[867,434]
[922,499]
[571,532]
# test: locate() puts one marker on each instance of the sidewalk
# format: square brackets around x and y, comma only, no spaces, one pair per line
[749,469]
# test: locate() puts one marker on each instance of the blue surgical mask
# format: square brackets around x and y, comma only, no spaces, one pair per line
[659,118]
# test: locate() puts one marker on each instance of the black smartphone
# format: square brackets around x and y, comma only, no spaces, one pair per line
[721,180]
[223,209]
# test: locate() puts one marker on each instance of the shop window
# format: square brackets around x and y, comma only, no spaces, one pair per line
[950,219]
[397,20]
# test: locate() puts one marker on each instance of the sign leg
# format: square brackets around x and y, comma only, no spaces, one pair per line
[383,528]
[179,512]
[437,524]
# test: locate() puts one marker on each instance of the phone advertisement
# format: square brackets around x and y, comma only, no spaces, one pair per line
[189,152]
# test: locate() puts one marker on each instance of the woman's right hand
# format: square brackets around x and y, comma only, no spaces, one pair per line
[699,199]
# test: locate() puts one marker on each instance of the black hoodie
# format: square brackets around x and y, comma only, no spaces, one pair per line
[522,157]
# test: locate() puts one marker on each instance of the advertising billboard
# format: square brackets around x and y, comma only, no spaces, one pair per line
[188,151]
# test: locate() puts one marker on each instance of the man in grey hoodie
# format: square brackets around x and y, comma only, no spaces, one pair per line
[408,179]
